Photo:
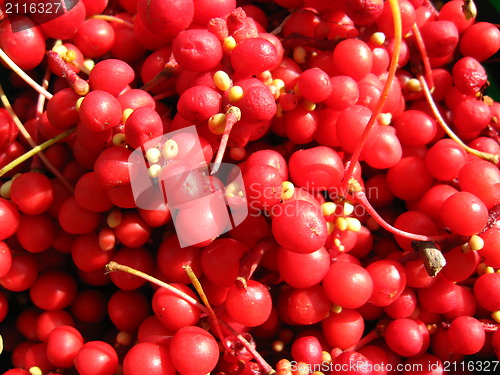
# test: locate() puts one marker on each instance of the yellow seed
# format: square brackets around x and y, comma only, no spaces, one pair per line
[309,106]
[119,140]
[60,49]
[222,80]
[228,44]
[5,189]
[79,103]
[287,190]
[266,77]
[413,85]
[341,223]
[89,64]
[341,248]
[69,56]
[153,155]
[384,119]
[126,114]
[330,227]
[278,346]
[299,55]
[235,94]
[278,83]
[328,208]
[496,316]
[348,208]
[35,370]
[377,38]
[337,242]
[114,218]
[154,171]
[325,356]
[216,123]
[232,188]
[353,224]
[489,270]
[170,149]
[476,243]
[275,92]
[336,309]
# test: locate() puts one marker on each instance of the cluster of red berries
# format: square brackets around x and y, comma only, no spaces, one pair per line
[368,150]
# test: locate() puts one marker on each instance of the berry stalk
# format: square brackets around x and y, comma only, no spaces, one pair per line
[383,96]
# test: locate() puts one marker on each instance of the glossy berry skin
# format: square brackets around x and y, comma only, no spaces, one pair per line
[111,75]
[253,56]
[403,337]
[94,37]
[174,312]
[9,218]
[96,358]
[165,17]
[316,169]
[251,305]
[486,291]
[197,50]
[194,351]
[100,111]
[32,193]
[348,285]
[466,335]
[143,125]
[53,290]
[389,280]
[150,358]
[299,226]
[25,37]
[464,213]
[63,345]
[65,25]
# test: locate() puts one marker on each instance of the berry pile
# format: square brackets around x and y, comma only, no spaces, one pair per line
[247,187]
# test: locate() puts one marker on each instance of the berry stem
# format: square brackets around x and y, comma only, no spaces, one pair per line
[396,14]
[233,115]
[368,338]
[35,150]
[423,56]
[113,19]
[488,326]
[493,158]
[171,69]
[211,314]
[113,266]
[32,143]
[80,86]
[432,257]
[24,76]
[361,198]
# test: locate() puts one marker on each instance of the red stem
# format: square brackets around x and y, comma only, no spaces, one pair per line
[233,115]
[424,57]
[383,96]
[80,86]
[361,198]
